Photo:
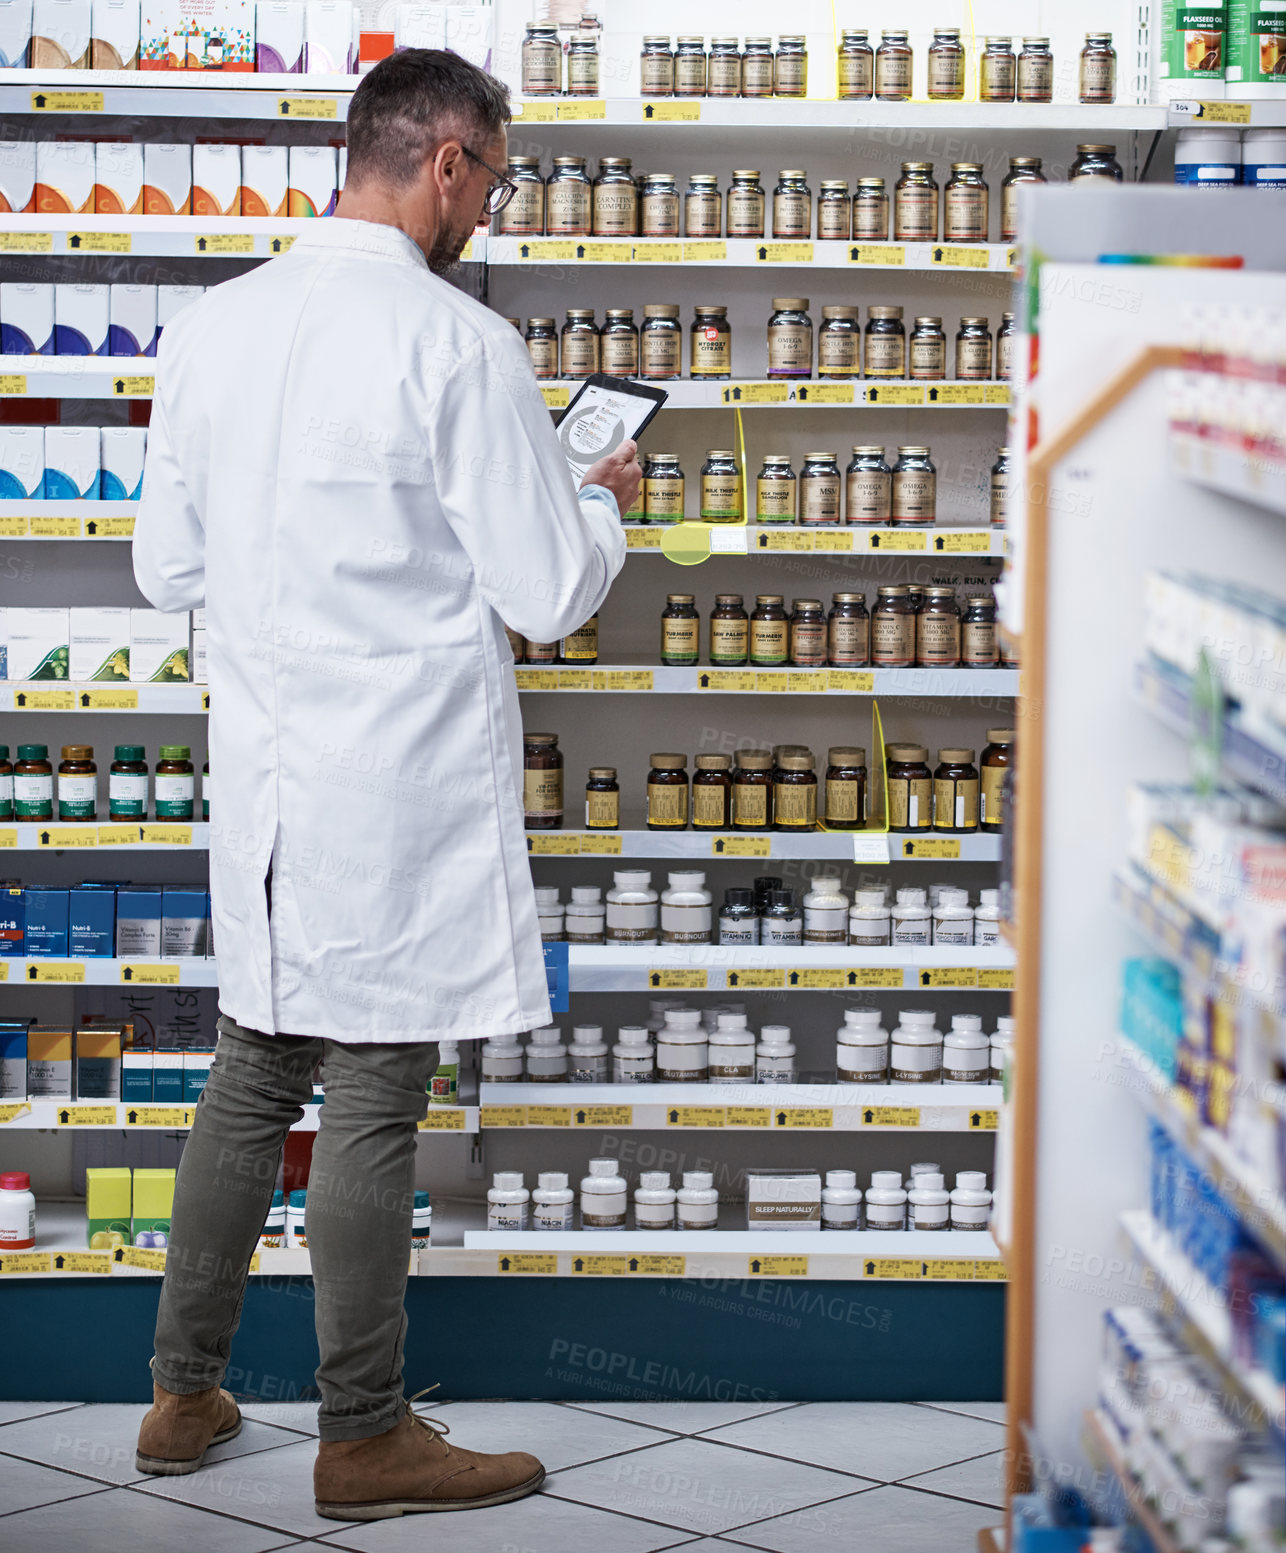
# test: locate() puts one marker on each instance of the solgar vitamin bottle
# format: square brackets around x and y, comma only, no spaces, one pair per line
[775,490]
[893,61]
[667,793]
[790,338]
[711,343]
[721,487]
[729,632]
[680,630]
[868,487]
[542,781]
[855,65]
[663,493]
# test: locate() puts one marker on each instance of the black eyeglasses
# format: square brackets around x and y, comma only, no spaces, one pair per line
[500,192]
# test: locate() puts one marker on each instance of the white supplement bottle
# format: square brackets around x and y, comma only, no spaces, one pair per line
[841,1200]
[930,1205]
[869,920]
[502,1060]
[687,910]
[912,920]
[862,1048]
[17,1212]
[953,919]
[587,1061]
[966,1052]
[971,1201]
[654,1201]
[885,1201]
[1001,1045]
[925,1168]
[421,1222]
[603,1195]
[551,1202]
[586,918]
[296,1219]
[632,909]
[546,1057]
[507,1201]
[633,1058]
[549,913]
[658,1008]
[986,920]
[681,1048]
[826,912]
[915,1052]
[775,1058]
[698,1201]
[732,1050]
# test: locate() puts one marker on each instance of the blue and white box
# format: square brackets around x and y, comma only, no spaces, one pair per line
[120,457]
[136,1077]
[22,463]
[196,1073]
[13,1060]
[82,314]
[91,922]
[138,923]
[167,1078]
[13,922]
[71,463]
[26,318]
[47,922]
[131,326]
[183,923]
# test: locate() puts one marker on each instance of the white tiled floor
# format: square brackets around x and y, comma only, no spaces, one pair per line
[633,1477]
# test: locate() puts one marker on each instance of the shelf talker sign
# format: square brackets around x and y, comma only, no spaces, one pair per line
[688,544]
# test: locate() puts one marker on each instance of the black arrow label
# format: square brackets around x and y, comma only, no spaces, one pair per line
[755,1265]
[119,1254]
[580,1116]
[781,1118]
[803,393]
[908,849]
[763,253]
[579,1264]
[525,251]
[733,979]
[91,527]
[855,253]
[32,973]
[937,255]
[505,1264]
[84,698]
[40,100]
[674,1116]
[128,973]
[580,250]
[870,1269]
[933,396]
[64,1117]
[705,682]
[655,978]
[20,699]
[975,1120]
[647,112]
[794,978]
[872,395]
[925,978]
[200,245]
[119,385]
[633,1264]
[276,245]
[285,106]
[763,541]
[131,1117]
[736,393]
[60,1261]
[719,845]
[868,1117]
[852,978]
[44,838]
[939,543]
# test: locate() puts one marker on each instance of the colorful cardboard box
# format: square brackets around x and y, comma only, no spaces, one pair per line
[153,1207]
[98,1063]
[108,1207]
[49,1063]
[118,178]
[198,35]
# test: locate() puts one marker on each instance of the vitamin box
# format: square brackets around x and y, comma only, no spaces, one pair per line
[216,180]
[153,1206]
[48,1050]
[198,35]
[313,177]
[71,463]
[15,33]
[99,648]
[26,318]
[120,458]
[64,177]
[22,460]
[17,171]
[60,34]
[158,646]
[783,1199]
[118,178]
[279,36]
[81,317]
[131,328]
[167,180]
[108,1204]
[264,180]
[114,35]
[37,642]
[328,37]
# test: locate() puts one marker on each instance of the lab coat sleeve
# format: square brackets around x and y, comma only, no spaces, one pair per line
[543,554]
[169,536]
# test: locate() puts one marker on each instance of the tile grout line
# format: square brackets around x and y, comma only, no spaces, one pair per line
[103,1488]
[964,1460]
[818,1505]
[754,1450]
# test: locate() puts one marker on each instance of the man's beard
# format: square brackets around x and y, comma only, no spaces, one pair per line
[444,256]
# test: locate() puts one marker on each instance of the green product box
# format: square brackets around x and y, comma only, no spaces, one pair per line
[153,1204]
[107,1207]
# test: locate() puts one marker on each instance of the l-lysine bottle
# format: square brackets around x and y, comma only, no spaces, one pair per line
[915,1055]
[862,1048]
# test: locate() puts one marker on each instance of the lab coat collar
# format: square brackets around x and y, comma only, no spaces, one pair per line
[368,237]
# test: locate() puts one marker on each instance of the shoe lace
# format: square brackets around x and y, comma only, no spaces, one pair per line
[433,1426]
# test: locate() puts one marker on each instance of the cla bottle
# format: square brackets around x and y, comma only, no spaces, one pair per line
[868,487]
[855,66]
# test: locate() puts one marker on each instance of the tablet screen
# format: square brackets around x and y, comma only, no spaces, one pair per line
[603,414]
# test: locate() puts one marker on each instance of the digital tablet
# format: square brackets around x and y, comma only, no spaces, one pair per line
[605,411]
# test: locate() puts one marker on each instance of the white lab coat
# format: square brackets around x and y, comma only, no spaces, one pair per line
[351,466]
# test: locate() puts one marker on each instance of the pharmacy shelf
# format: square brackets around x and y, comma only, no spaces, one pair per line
[1202,1313]
[58,1115]
[146,836]
[84,95]
[1259,1204]
[105,972]
[748,253]
[673,114]
[1106,1445]
[1167,922]
[746,1107]
[45,696]
[849,539]
[761,394]
[52,520]
[1246,755]
[77,377]
[1250,477]
[971,684]
[820,845]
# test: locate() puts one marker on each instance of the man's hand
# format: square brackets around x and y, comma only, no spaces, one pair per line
[620,473]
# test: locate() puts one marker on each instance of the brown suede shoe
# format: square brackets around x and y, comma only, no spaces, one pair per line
[178,1430]
[411,1469]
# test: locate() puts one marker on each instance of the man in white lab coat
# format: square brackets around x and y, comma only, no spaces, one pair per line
[351,467]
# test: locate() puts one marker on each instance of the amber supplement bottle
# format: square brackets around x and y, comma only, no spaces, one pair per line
[855,65]
[729,632]
[757,68]
[752,791]
[723,71]
[915,205]
[542,346]
[542,61]
[712,793]
[582,65]
[581,647]
[540,652]
[680,630]
[524,215]
[965,205]
[955,791]
[6,782]
[659,207]
[711,349]
[848,632]
[661,342]
[517,644]
[915,488]
[808,635]
[819,490]
[790,338]
[667,793]
[127,783]
[615,199]
[1000,489]
[997,758]
[33,783]
[997,71]
[834,211]
[893,628]
[1005,348]
[839,343]
[885,342]
[690,66]
[1036,71]
[792,205]
[844,803]
[910,787]
[1095,164]
[1097,78]
[868,487]
[721,487]
[569,199]
[578,348]
[618,343]
[775,490]
[78,783]
[978,646]
[795,792]
[870,211]
[702,207]
[927,350]
[602,799]
[1022,169]
[893,63]
[542,781]
[174,786]
[973,350]
[937,630]
[946,65]
[769,632]
[790,68]
[663,484]
[746,204]
[656,67]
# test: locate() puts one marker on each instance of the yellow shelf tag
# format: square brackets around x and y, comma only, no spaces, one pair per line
[749,1116]
[282,243]
[151,975]
[603,846]
[545,1264]
[775,680]
[543,248]
[948,1267]
[686,111]
[957,393]
[990,1268]
[308,107]
[998,393]
[895,539]
[588,108]
[814,980]
[658,253]
[870,976]
[961,256]
[600,1266]
[13,383]
[890,1116]
[855,681]
[828,539]
[603,1116]
[113,700]
[150,1260]
[891,1267]
[55,528]
[555,398]
[55,971]
[695,1116]
[45,101]
[965,542]
[9,1113]
[26,242]
[119,835]
[692,981]
[893,393]
[536,112]
[25,1262]
[984,1121]
[536,679]
[741,846]
[134,387]
[805,1116]
[159,1116]
[657,1266]
[225,242]
[642,538]
[1224,112]
[756,393]
[503,1116]
[704,252]
[951,976]
[575,679]
[8,837]
[68,836]
[886,255]
[824,393]
[726,679]
[807,681]
[930,846]
[1011,258]
[625,679]
[778,1266]
[601,253]
[14,527]
[164,835]
[553,846]
[443,1118]
[783,539]
[784,253]
[97,1262]
[549,1116]
[87,1116]
[757,980]
[996,981]
[44,700]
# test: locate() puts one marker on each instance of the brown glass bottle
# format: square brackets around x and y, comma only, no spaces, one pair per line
[602,799]
[746,203]
[569,199]
[997,758]
[615,199]
[542,782]
[927,350]
[844,804]
[915,204]
[834,210]
[870,211]
[848,632]
[757,68]
[77,783]
[937,630]
[580,646]
[955,792]
[680,630]
[540,652]
[542,346]
[910,787]
[893,628]
[839,343]
[868,480]
[33,783]
[660,342]
[667,793]
[946,60]
[973,350]
[524,215]
[794,800]
[712,793]
[819,491]
[808,635]
[723,72]
[578,346]
[769,632]
[710,352]
[855,65]
[1022,169]
[965,205]
[885,342]
[893,64]
[618,343]
[978,645]
[729,632]
[752,791]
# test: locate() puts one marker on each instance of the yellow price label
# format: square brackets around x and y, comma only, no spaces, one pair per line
[958,393]
[8,837]
[4,970]
[930,846]
[527,1262]
[961,256]
[159,1116]
[808,681]
[589,108]
[1224,112]
[1011,258]
[55,971]
[224,242]
[778,1266]
[98,242]
[97,1262]
[898,539]
[549,1116]
[13,383]
[784,253]
[536,112]
[624,679]
[14,526]
[162,835]
[893,393]
[855,681]
[575,679]
[119,835]
[308,107]
[113,700]
[553,846]
[26,242]
[555,398]
[503,1116]
[691,980]
[254,1262]
[998,393]
[705,253]
[537,249]
[870,976]
[726,679]
[741,846]
[947,976]
[886,255]
[996,981]
[816,980]
[601,846]
[55,528]
[811,1116]
[151,975]
[282,243]
[749,1116]
[963,542]
[783,539]
[757,980]
[68,836]
[775,681]
[891,1267]
[536,679]
[44,700]
[25,1262]
[149,1260]
[134,387]
[828,539]
[45,101]
[603,1116]
[756,393]
[658,253]
[890,1116]
[676,112]
[600,1266]
[948,1267]
[824,393]
[657,1266]
[984,1121]
[695,1116]
[443,1118]
[990,1268]
[86,1116]
[10,1113]
[601,253]
[642,538]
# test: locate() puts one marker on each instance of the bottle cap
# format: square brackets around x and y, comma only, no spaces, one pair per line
[826,884]
[971,1181]
[587,895]
[845,1179]
[632,1035]
[916,1017]
[687,881]
[552,1181]
[924,1168]
[654,1180]
[989,897]
[15,1181]
[911,897]
[731,1022]
[784,898]
[582,1034]
[885,1180]
[507,1181]
[547,895]
[549,1036]
[125,752]
[602,1167]
[775,1035]
[175,752]
[871,899]
[632,879]
[738,896]
[966,1021]
[698,1180]
[928,1183]
[683,1019]
[863,1018]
